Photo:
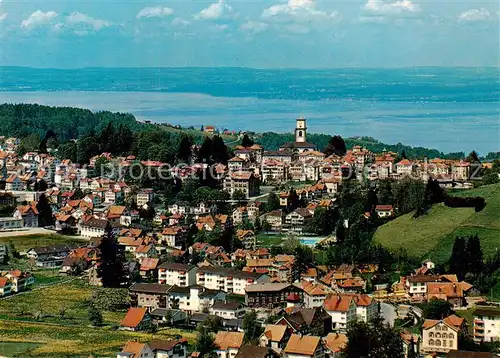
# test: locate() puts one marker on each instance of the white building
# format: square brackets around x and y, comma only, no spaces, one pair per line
[228,280]
[486,324]
[175,274]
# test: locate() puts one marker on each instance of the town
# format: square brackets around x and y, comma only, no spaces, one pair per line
[242,251]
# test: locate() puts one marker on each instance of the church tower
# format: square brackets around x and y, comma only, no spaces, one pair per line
[300,130]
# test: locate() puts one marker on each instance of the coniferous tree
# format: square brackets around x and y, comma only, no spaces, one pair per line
[251,327]
[204,341]
[246,141]
[458,259]
[184,152]
[45,217]
[111,268]
[273,202]
[473,157]
[336,145]
[474,252]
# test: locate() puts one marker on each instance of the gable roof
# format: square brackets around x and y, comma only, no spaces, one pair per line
[252,352]
[305,345]
[454,322]
[134,317]
[275,332]
[225,340]
[335,341]
[134,348]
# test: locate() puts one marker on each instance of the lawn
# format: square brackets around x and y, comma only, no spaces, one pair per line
[432,235]
[25,242]
[69,334]
[267,240]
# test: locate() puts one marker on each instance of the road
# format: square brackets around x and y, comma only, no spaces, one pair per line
[388,312]
[27,231]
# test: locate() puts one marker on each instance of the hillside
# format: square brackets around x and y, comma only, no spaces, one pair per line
[433,234]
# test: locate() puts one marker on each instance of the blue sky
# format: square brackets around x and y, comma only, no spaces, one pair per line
[250,33]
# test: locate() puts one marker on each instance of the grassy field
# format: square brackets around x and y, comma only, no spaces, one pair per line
[25,242]
[70,334]
[432,235]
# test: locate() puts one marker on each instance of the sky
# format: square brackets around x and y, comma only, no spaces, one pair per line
[249,33]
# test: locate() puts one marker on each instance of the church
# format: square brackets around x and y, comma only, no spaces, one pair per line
[300,143]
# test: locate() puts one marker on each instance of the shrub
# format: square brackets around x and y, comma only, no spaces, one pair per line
[478,203]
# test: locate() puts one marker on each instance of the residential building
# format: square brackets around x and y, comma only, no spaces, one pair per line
[174,236]
[175,274]
[304,347]
[227,344]
[227,279]
[134,349]
[275,336]
[296,220]
[411,342]
[169,349]
[28,214]
[50,256]
[486,324]
[135,319]
[441,336]
[342,309]
[268,295]
[10,223]
[149,295]
[255,352]
[5,286]
[144,197]
[194,298]
[334,343]
[306,321]
[93,227]
[246,182]
[384,211]
[21,281]
[227,309]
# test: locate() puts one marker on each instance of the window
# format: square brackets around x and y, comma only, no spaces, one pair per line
[431,342]
[444,343]
[431,335]
[445,328]
[438,335]
[438,343]
[451,343]
[451,336]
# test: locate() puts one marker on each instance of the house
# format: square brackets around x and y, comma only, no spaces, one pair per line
[93,227]
[306,321]
[254,352]
[342,309]
[174,236]
[135,319]
[334,343]
[441,336]
[227,309]
[227,344]
[194,298]
[296,220]
[314,294]
[149,295]
[275,336]
[21,281]
[247,237]
[50,256]
[304,347]
[168,316]
[176,274]
[453,292]
[246,182]
[384,211]
[411,342]
[268,295]
[169,349]
[274,219]
[404,167]
[148,267]
[29,215]
[5,286]
[228,279]
[134,349]
[486,324]
[10,223]
[143,252]
[144,197]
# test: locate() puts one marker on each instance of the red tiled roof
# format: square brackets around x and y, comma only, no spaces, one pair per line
[134,317]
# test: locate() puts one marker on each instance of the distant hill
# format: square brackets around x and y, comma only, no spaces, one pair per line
[432,235]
